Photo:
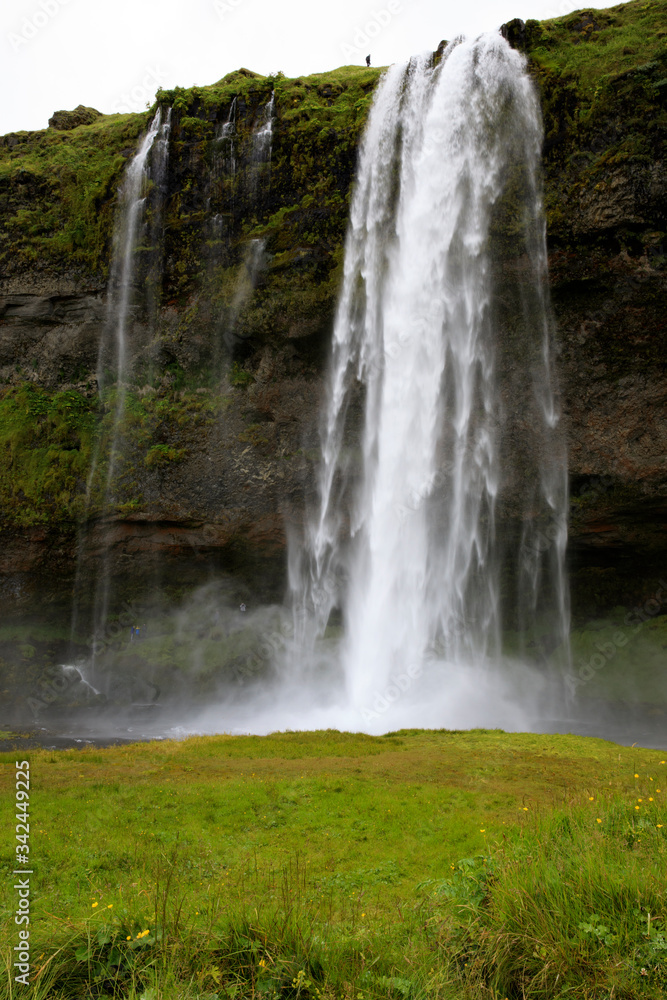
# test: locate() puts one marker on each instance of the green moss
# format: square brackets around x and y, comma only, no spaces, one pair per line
[45,448]
[162,454]
[58,189]
[240,378]
[599,73]
[48,441]
[594,46]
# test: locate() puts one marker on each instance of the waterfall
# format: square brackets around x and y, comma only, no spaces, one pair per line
[123,273]
[258,183]
[259,167]
[221,180]
[132,196]
[441,413]
[263,136]
[145,177]
[228,130]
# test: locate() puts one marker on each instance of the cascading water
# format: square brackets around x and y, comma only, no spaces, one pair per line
[263,136]
[443,337]
[258,180]
[223,172]
[147,167]
[261,150]
[123,273]
[228,131]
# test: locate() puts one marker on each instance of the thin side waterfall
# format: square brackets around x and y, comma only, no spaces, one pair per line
[229,128]
[261,152]
[122,273]
[146,171]
[443,467]
[263,136]
[223,172]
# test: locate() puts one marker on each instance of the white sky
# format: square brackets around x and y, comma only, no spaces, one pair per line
[113,54]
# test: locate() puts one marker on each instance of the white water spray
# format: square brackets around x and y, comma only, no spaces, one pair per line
[406,539]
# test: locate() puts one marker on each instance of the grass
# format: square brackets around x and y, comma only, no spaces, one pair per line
[418,864]
[601,76]
[595,45]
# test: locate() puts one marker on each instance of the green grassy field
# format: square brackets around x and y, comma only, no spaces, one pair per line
[418,864]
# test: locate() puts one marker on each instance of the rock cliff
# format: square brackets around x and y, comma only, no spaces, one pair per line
[234,300]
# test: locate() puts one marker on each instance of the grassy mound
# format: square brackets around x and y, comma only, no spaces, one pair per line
[418,864]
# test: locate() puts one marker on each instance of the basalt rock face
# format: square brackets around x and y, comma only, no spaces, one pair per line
[605,115]
[233,306]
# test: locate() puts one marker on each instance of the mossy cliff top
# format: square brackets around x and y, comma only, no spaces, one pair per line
[58,186]
[602,76]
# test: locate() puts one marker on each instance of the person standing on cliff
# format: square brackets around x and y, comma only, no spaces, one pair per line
[368,60]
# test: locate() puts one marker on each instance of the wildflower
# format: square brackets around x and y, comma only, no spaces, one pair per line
[598,820]
[651,798]
[363,914]
[637,807]
[110,906]
[636,776]
[262,963]
[590,798]
[129,937]
[659,826]
[525,809]
[95,904]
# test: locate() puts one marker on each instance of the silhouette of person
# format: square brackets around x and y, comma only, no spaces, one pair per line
[368,60]
[242,608]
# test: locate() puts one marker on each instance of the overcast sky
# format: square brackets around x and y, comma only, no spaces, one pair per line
[114,54]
